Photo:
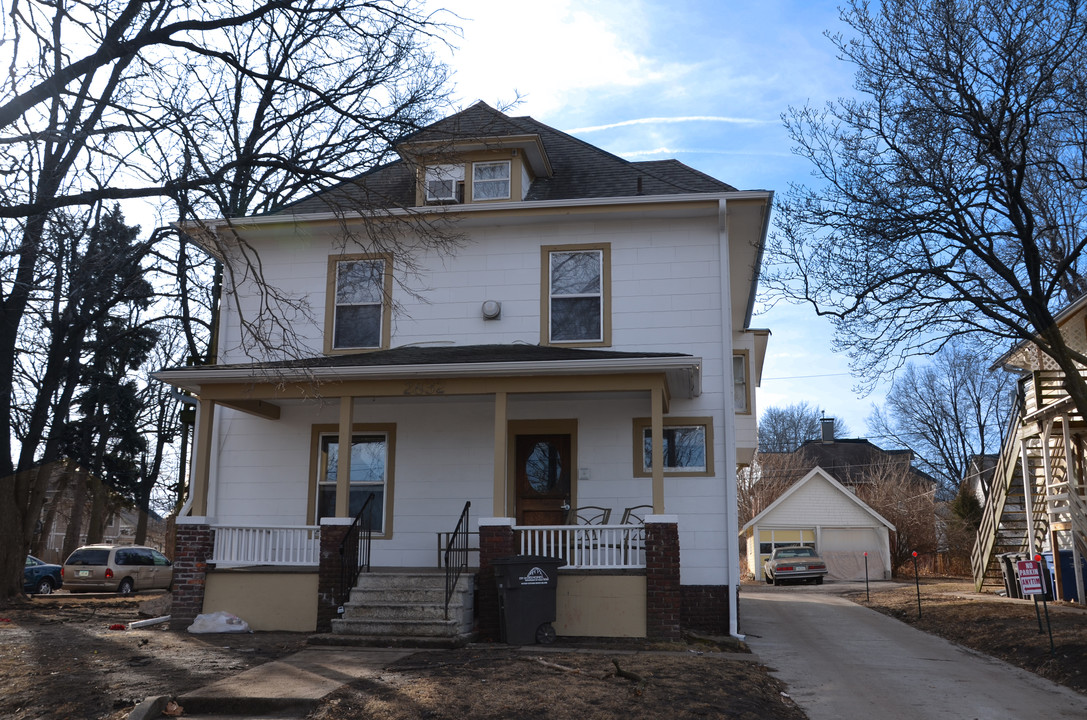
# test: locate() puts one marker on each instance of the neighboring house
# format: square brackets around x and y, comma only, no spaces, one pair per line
[1037,499]
[851,460]
[70,496]
[588,344]
[820,512]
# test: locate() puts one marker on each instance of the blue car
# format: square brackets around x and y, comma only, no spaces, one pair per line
[40,578]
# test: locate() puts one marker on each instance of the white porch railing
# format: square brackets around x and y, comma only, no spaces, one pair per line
[597,547]
[268,545]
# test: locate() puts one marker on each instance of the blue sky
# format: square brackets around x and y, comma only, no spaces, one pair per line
[702,81]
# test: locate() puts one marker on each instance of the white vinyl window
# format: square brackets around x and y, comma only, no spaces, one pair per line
[684,448]
[739,382]
[491,180]
[369,475]
[444,183]
[576,296]
[359,304]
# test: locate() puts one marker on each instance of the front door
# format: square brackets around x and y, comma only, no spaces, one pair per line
[543,479]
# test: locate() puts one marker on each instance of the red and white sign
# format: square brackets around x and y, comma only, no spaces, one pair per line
[1030,577]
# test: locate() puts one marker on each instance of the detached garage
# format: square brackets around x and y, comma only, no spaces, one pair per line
[818,511]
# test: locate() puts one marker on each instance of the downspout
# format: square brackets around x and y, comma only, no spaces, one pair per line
[728,436]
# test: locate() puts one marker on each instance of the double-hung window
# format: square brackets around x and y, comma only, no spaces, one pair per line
[576,294]
[358,313]
[370,475]
[687,446]
[491,180]
[739,382]
[444,183]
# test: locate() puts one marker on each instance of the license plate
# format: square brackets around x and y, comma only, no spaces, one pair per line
[84,573]
[800,568]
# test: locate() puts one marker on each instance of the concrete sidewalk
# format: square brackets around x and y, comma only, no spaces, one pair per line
[287,688]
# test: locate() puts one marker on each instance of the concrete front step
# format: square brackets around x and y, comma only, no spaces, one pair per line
[407,608]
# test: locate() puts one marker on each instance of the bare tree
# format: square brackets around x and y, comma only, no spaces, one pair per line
[764,481]
[784,429]
[216,109]
[947,412]
[950,194]
[907,501]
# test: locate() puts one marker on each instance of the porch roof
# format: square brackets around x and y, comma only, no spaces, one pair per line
[683,372]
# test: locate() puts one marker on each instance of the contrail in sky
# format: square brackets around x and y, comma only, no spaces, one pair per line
[668,120]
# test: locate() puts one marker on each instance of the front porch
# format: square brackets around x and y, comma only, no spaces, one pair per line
[603,590]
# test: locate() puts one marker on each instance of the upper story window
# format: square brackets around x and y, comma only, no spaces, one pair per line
[445,183]
[577,290]
[491,180]
[739,383]
[358,312]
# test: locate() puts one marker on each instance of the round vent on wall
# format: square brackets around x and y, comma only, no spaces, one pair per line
[491,309]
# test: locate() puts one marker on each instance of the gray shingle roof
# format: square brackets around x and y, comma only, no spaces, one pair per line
[580,170]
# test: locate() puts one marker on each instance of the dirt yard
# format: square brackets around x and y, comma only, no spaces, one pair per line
[59,658]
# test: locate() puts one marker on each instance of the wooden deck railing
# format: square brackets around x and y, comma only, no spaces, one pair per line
[239,546]
[596,547]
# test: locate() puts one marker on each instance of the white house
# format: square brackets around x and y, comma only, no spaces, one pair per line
[587,344]
[820,512]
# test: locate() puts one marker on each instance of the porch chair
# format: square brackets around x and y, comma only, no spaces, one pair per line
[636,515]
[588,515]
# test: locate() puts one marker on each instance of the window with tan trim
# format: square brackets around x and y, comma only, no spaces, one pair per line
[740,386]
[358,312]
[688,447]
[491,180]
[372,452]
[576,295]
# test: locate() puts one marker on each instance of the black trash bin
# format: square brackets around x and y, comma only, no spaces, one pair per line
[1010,570]
[527,586]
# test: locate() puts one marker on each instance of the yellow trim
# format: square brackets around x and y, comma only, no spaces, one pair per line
[317,463]
[537,427]
[747,380]
[640,424]
[386,301]
[605,293]
[201,474]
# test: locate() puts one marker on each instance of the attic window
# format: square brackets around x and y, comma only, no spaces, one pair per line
[445,183]
[491,180]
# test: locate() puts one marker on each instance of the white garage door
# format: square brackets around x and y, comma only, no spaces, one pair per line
[844,548]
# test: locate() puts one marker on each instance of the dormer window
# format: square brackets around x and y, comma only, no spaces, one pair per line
[491,180]
[445,183]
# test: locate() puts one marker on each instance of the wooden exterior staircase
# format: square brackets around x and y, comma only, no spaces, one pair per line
[1049,507]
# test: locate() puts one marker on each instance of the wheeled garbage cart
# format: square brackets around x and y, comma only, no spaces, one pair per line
[527,587]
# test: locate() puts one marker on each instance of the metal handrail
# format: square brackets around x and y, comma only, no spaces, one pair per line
[456,555]
[355,550]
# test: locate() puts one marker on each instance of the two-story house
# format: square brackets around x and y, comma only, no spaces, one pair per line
[587,344]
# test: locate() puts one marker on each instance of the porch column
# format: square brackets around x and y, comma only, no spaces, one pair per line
[1072,481]
[663,598]
[657,438]
[496,540]
[201,471]
[343,460]
[501,441]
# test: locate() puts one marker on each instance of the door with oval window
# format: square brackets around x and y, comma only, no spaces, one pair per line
[543,479]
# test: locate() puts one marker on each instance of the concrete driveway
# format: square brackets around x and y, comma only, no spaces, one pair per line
[843,661]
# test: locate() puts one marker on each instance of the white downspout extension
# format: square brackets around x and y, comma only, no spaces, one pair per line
[732,517]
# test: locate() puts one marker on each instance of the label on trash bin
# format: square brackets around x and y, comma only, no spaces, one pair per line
[535,576]
[1030,577]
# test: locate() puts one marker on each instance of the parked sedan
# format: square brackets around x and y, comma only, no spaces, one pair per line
[40,577]
[794,563]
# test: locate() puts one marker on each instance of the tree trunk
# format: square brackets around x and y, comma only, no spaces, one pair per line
[74,532]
